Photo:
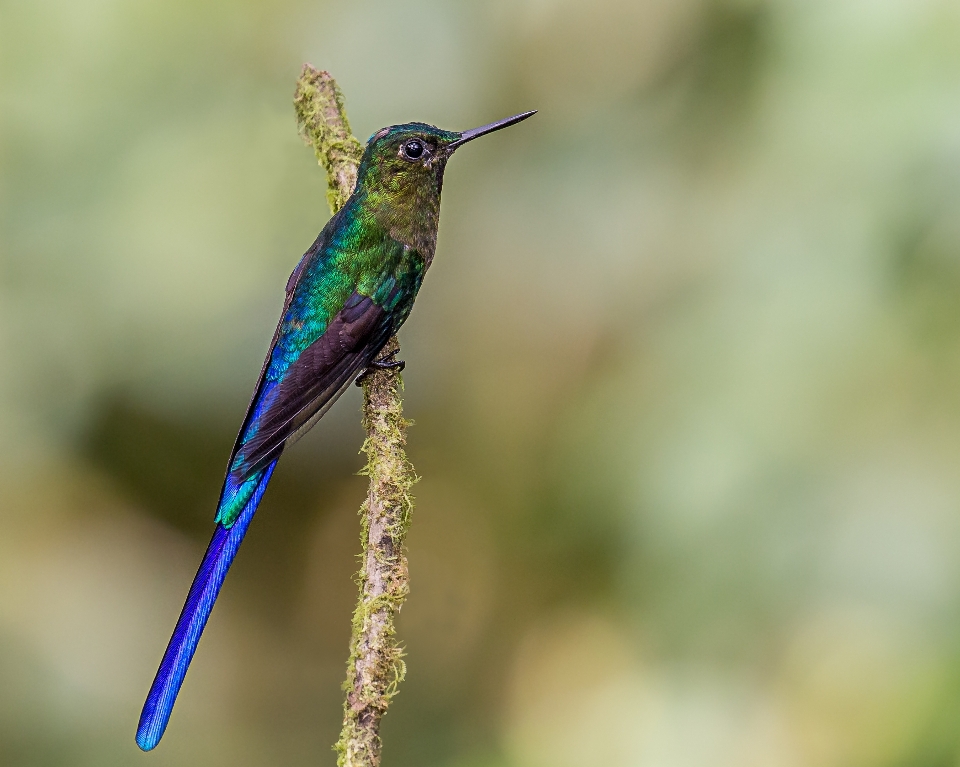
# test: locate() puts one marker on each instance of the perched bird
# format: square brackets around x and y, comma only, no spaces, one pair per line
[351,291]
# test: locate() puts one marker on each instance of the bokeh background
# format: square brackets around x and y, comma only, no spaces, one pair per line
[685,377]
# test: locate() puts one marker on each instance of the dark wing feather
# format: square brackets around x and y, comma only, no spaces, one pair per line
[321,373]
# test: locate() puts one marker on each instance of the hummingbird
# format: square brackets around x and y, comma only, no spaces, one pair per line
[350,292]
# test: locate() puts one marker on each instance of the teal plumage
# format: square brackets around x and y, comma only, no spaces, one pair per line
[352,290]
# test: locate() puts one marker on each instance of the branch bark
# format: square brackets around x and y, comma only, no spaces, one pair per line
[376,667]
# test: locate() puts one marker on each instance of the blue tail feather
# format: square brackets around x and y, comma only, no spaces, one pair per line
[203,593]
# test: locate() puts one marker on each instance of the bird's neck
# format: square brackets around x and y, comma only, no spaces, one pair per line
[410,218]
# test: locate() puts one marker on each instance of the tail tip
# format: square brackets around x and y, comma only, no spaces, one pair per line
[148,736]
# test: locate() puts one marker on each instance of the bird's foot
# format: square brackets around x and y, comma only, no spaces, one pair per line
[387,363]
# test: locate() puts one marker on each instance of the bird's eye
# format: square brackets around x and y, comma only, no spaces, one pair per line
[413,149]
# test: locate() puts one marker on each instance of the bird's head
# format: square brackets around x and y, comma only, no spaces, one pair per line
[401,175]
[408,160]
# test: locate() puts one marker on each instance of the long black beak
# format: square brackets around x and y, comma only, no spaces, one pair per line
[470,135]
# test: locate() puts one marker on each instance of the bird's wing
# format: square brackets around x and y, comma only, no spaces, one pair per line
[318,376]
[285,406]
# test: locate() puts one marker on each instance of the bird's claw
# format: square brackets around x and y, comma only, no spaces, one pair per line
[387,363]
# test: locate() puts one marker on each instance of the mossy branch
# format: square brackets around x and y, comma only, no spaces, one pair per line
[323,123]
[376,666]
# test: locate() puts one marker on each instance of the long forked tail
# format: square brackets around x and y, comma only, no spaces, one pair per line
[203,593]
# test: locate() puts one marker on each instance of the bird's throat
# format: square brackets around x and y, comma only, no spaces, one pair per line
[411,218]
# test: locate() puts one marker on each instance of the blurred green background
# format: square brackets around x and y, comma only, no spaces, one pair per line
[685,377]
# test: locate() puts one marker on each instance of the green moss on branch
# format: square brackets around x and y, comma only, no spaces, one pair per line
[323,124]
